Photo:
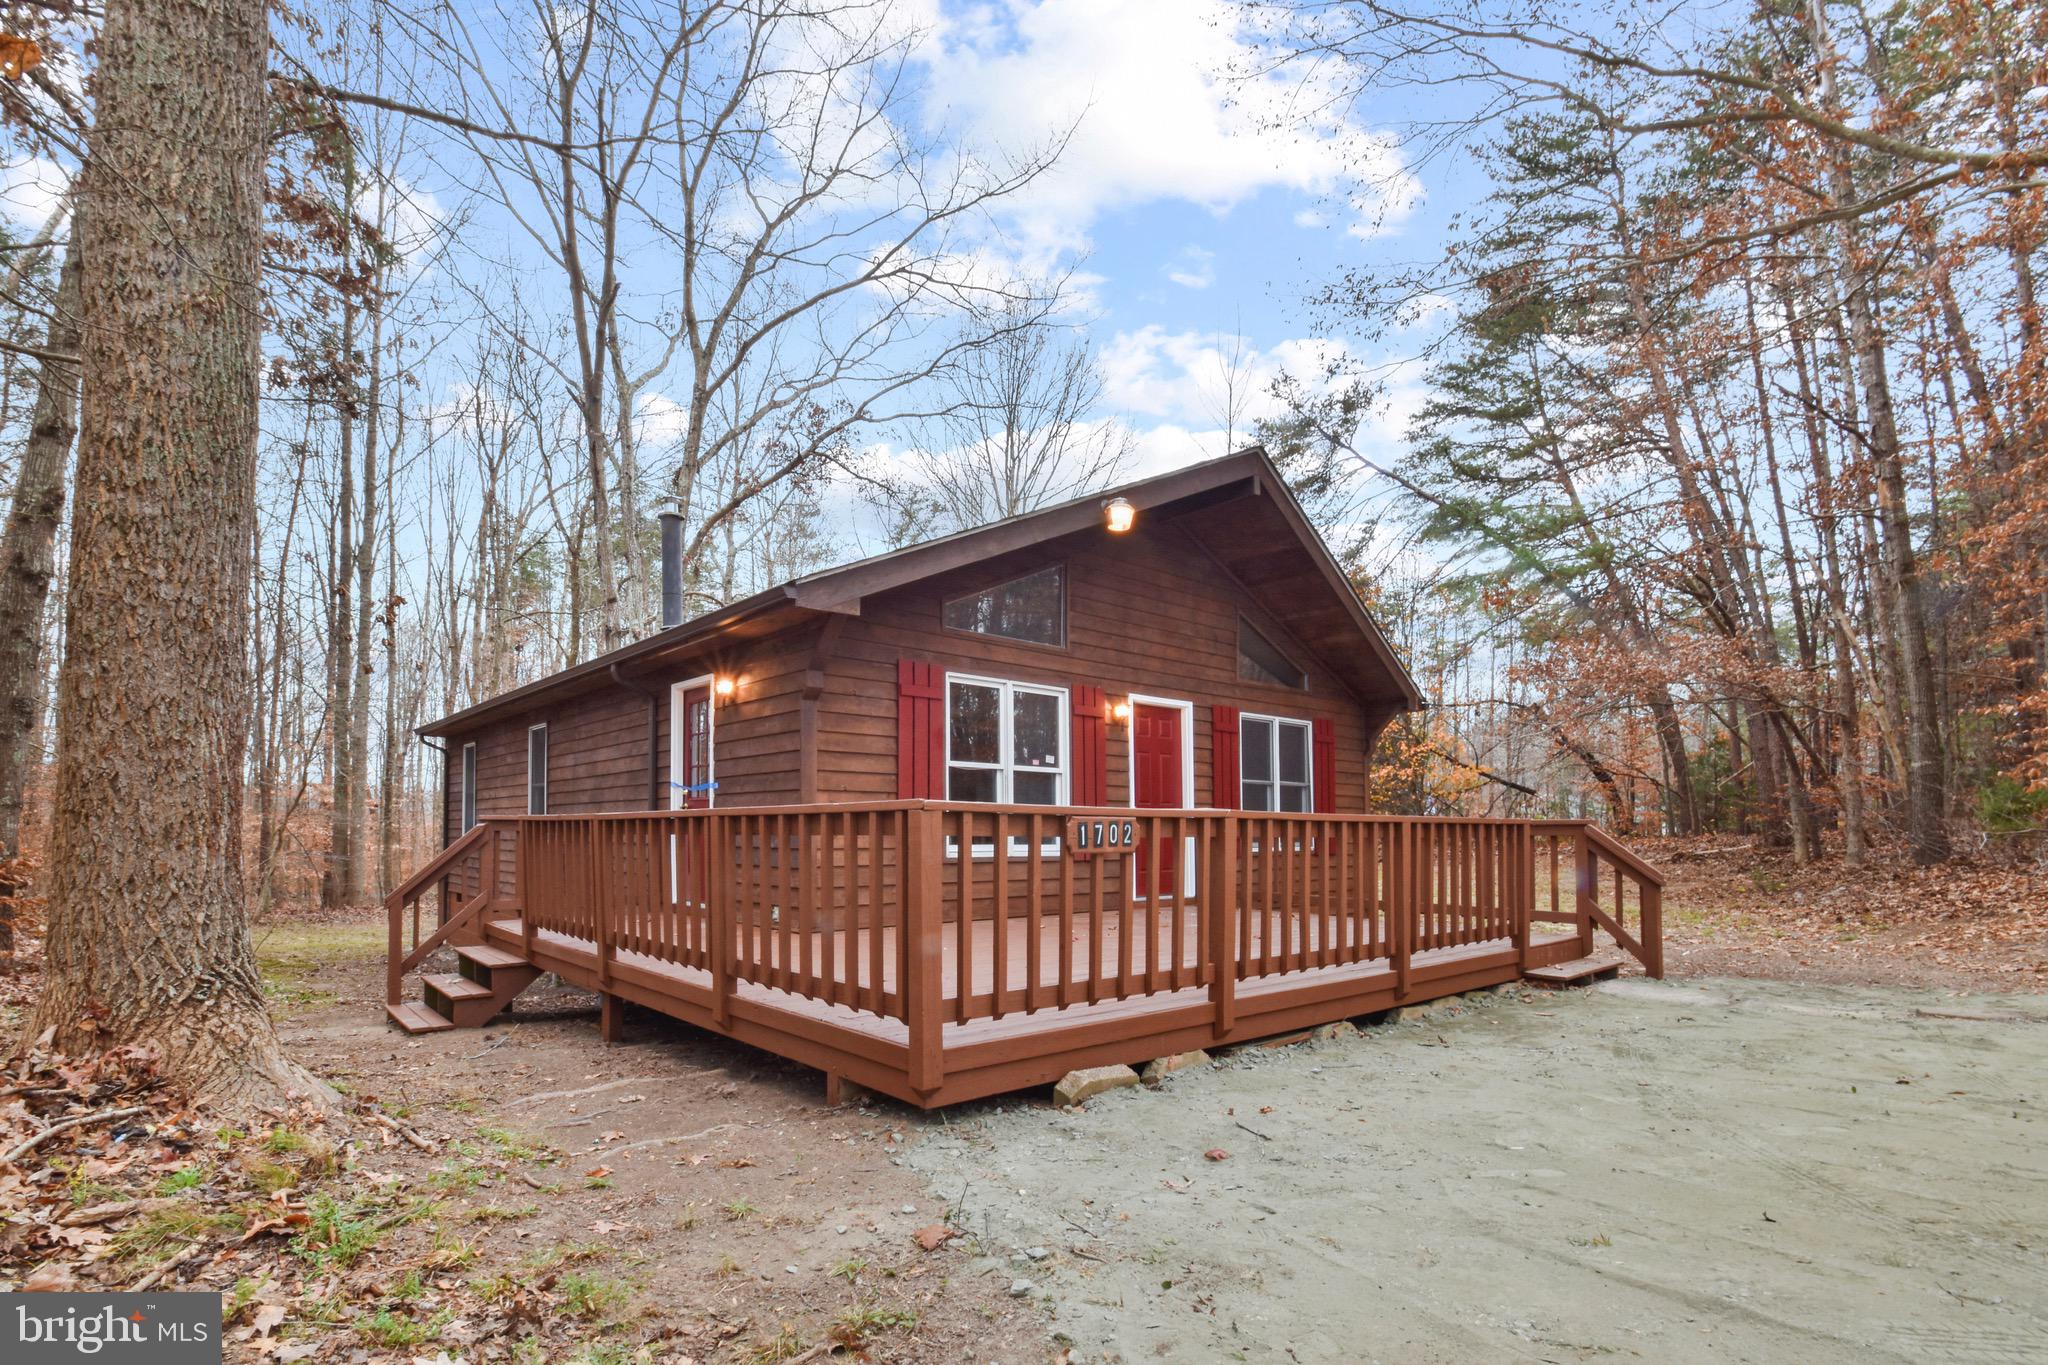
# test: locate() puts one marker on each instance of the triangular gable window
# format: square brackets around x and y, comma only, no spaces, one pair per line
[1259,661]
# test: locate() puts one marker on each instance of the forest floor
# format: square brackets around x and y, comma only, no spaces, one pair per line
[525,1193]
[1732,909]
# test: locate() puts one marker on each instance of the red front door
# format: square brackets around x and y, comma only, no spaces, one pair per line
[1156,783]
[696,767]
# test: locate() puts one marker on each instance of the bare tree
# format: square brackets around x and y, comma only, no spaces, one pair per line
[1017,428]
[27,564]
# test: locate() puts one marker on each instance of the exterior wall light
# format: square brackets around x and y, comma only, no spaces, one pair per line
[1121,712]
[725,686]
[1119,516]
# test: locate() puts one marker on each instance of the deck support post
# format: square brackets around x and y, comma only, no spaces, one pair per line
[608,1008]
[394,949]
[718,912]
[1222,908]
[523,855]
[1404,901]
[924,934]
[1586,863]
[1519,873]
[487,892]
[1653,927]
[599,890]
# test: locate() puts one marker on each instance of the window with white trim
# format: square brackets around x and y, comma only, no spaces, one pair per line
[1005,742]
[537,770]
[468,787]
[1274,758]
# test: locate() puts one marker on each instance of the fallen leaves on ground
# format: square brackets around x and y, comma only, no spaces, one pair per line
[1983,918]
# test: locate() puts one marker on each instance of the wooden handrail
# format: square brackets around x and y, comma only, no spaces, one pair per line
[397,962]
[410,888]
[1594,844]
[1621,853]
[1266,893]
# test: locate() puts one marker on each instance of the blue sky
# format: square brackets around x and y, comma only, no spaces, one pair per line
[1198,205]
[1193,206]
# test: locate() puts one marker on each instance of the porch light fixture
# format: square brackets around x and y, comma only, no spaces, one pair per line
[1121,712]
[725,686]
[1119,516]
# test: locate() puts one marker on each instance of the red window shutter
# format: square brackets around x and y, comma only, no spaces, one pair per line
[1324,778]
[1223,792]
[1089,737]
[920,736]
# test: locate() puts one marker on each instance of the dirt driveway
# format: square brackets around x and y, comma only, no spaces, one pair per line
[1716,1170]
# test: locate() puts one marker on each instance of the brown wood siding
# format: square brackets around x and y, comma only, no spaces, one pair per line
[1148,613]
[597,742]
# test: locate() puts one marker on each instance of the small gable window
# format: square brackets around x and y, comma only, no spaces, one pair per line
[1258,660]
[537,770]
[1032,608]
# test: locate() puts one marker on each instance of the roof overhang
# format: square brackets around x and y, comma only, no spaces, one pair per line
[1237,508]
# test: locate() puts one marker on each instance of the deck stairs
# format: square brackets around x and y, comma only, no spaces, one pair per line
[481,987]
[1582,971]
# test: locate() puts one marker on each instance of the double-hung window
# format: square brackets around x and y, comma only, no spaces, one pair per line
[1005,742]
[1274,755]
[537,770]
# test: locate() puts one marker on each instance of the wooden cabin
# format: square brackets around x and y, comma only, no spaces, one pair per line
[986,789]
[1213,655]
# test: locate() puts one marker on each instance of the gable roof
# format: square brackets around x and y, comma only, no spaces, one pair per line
[1237,508]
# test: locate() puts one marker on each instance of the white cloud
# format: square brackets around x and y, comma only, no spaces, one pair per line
[1159,116]
[410,218]
[1193,268]
[1196,378]
[1205,391]
[31,190]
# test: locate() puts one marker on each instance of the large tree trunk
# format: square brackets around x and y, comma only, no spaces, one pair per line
[149,940]
[26,565]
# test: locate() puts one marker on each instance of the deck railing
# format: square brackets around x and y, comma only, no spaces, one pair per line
[933,913]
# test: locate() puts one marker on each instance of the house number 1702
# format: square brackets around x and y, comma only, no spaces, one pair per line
[1091,837]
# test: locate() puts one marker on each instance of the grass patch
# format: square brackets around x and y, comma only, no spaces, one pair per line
[170,1230]
[342,1231]
[784,1345]
[589,1295]
[389,1329]
[178,1181]
[567,1253]
[517,1146]
[501,1213]
[854,1327]
[292,956]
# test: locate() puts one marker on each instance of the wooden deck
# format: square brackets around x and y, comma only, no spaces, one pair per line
[857,940]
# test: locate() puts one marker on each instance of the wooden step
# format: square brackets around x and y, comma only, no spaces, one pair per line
[456,987]
[1582,971]
[488,957]
[414,1017]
